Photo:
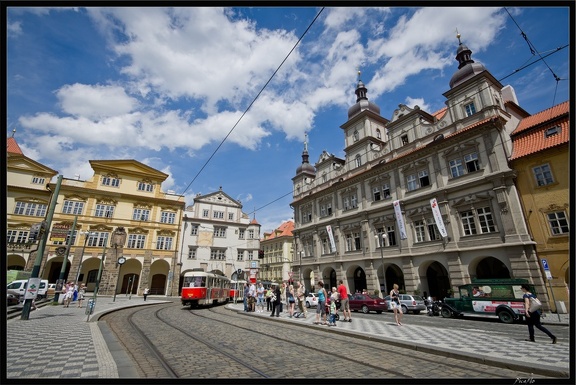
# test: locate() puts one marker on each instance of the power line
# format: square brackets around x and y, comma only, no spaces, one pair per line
[254,100]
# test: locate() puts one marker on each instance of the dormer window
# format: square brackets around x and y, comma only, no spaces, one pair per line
[552,131]
[145,186]
[110,180]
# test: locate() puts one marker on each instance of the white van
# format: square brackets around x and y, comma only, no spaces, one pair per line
[18,288]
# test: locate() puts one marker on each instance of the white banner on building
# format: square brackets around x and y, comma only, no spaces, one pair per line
[438,217]
[400,220]
[331,237]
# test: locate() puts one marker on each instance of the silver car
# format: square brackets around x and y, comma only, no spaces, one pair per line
[413,303]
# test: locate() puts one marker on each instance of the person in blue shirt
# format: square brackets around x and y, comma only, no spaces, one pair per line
[533,318]
[321,307]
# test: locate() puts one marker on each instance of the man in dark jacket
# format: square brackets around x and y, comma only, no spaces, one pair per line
[276,303]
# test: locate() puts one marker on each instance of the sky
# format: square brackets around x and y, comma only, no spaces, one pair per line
[222,97]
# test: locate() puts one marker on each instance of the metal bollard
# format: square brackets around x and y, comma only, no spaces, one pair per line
[90,306]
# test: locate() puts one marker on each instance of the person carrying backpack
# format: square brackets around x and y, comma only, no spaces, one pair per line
[532,312]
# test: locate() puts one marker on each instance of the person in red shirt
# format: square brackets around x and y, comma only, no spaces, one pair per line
[344,302]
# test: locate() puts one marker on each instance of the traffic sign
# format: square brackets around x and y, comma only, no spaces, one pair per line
[546,268]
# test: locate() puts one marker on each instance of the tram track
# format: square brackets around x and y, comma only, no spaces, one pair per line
[218,343]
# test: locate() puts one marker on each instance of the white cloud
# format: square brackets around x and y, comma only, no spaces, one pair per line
[14,29]
[95,101]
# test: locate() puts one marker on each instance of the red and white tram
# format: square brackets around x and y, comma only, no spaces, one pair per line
[201,288]
[237,290]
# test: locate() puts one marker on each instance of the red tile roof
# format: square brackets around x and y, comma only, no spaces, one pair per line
[13,147]
[535,140]
[543,116]
[254,222]
[440,113]
[284,230]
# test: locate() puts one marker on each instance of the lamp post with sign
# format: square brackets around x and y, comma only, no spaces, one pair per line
[549,278]
[380,238]
[88,234]
[118,239]
[41,246]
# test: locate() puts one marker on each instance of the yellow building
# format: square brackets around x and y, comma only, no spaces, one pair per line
[122,194]
[542,160]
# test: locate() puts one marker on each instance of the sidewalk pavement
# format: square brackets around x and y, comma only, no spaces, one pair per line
[59,342]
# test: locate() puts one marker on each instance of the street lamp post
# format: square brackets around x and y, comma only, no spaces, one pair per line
[380,237]
[88,234]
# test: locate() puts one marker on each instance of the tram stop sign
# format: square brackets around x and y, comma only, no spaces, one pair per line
[546,268]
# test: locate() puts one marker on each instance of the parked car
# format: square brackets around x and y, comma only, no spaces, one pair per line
[311,300]
[413,303]
[366,303]
[18,288]
[12,299]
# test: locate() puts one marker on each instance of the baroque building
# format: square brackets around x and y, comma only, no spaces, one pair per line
[424,200]
[219,237]
[541,157]
[122,196]
[278,254]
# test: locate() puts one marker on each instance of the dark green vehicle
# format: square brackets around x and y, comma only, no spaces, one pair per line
[489,297]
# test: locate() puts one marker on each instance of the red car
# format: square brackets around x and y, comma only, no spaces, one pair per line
[366,303]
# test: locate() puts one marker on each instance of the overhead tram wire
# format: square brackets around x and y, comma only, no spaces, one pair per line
[534,51]
[254,100]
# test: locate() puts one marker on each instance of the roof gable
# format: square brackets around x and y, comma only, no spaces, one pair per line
[128,166]
[219,197]
[24,164]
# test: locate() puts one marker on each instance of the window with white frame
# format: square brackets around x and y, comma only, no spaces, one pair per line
[230,216]
[205,213]
[38,180]
[136,241]
[240,255]
[307,214]
[433,232]
[72,207]
[543,175]
[353,241]
[417,180]
[220,232]
[30,209]
[349,200]
[251,255]
[110,181]
[145,186]
[104,211]
[558,223]
[419,231]
[464,165]
[192,250]
[164,243]
[98,239]
[325,209]
[358,160]
[17,236]
[250,234]
[241,233]
[552,131]
[168,217]
[218,214]
[217,254]
[380,192]
[194,229]
[325,245]
[389,238]
[140,214]
[470,109]
[65,242]
[477,221]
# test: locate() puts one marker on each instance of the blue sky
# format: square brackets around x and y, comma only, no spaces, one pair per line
[165,86]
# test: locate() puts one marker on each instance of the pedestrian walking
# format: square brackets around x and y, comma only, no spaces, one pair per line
[321,307]
[301,295]
[291,300]
[276,300]
[145,293]
[395,302]
[260,295]
[81,293]
[532,312]
[246,295]
[69,294]
[344,302]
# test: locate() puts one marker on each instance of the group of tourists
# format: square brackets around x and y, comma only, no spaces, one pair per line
[72,292]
